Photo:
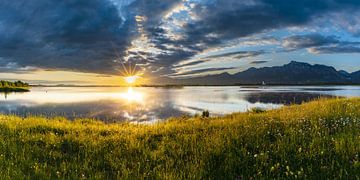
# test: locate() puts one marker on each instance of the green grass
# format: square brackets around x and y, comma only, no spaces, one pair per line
[317,140]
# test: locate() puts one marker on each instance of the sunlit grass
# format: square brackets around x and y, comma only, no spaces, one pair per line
[320,139]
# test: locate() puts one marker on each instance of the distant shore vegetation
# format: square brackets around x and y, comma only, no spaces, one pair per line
[315,140]
[17,86]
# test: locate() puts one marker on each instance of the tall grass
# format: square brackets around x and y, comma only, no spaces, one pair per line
[320,139]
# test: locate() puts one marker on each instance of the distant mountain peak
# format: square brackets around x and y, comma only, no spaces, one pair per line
[344,72]
[292,73]
[225,73]
[296,63]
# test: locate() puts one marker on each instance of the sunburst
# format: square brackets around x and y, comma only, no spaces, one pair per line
[129,72]
[131,79]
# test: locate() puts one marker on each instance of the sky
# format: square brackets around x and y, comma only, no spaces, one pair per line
[91,41]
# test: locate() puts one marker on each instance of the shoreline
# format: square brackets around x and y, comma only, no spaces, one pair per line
[315,139]
[234,85]
[14,89]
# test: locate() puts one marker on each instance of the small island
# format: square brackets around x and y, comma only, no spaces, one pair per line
[17,86]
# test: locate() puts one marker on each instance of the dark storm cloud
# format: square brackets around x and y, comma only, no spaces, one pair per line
[319,44]
[166,61]
[14,68]
[309,40]
[70,35]
[232,19]
[81,35]
[153,10]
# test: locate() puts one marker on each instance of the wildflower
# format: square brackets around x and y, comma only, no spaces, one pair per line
[272,168]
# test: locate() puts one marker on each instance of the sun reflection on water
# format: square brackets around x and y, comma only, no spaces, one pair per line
[133,96]
[149,104]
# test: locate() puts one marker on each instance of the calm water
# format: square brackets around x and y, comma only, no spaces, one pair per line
[147,104]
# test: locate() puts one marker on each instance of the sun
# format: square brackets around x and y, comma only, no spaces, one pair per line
[131,79]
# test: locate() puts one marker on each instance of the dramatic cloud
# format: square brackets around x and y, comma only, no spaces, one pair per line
[14,68]
[258,62]
[72,35]
[238,54]
[215,22]
[199,71]
[162,35]
[319,44]
[335,49]
[309,40]
[192,63]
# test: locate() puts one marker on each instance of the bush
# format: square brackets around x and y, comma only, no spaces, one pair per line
[257,110]
[205,114]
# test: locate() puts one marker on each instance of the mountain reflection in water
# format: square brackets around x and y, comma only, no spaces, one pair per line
[285,98]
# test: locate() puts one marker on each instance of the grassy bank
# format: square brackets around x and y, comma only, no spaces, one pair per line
[319,139]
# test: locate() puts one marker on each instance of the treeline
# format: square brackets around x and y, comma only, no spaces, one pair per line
[8,84]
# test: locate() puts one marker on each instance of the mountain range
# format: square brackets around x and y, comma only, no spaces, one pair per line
[293,73]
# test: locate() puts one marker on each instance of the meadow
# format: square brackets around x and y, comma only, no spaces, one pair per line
[316,140]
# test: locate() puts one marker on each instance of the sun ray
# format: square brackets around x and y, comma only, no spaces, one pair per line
[119,59]
[129,72]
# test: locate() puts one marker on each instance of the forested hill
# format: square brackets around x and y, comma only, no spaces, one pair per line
[17,86]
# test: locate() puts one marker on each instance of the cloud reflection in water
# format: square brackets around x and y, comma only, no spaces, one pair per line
[140,104]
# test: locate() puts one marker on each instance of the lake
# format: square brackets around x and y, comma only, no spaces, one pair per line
[149,104]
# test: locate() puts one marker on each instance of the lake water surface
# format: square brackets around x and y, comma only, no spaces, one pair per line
[149,104]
